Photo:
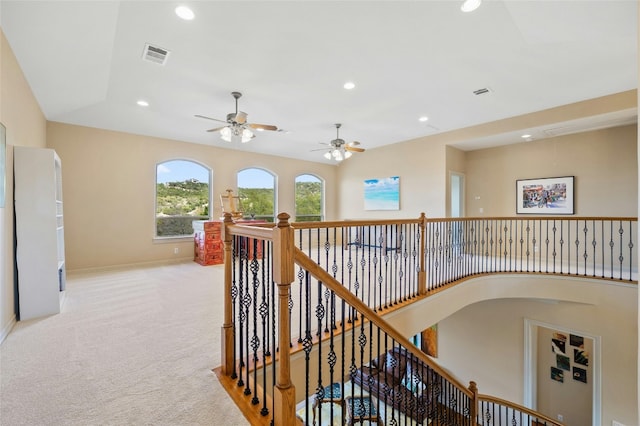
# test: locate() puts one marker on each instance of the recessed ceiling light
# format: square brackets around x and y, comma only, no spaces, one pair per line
[185,13]
[349,85]
[526,136]
[143,103]
[423,118]
[470,5]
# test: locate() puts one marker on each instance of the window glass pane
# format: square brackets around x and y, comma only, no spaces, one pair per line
[182,196]
[309,190]
[256,189]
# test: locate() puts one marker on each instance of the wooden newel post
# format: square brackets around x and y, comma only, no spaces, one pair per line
[473,412]
[284,393]
[227,326]
[422,274]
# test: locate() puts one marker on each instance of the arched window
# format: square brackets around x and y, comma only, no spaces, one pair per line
[257,192]
[309,198]
[182,195]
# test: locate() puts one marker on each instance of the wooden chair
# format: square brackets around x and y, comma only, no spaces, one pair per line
[361,408]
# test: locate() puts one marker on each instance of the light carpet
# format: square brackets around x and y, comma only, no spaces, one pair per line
[132,346]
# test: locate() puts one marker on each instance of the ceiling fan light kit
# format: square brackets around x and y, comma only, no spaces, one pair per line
[237,128]
[339,149]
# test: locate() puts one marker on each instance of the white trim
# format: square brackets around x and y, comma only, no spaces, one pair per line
[131,265]
[530,351]
[7,329]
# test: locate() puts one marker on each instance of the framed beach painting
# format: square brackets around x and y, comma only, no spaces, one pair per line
[382,194]
[548,196]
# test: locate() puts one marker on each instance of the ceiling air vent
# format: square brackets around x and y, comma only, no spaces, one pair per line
[155,54]
[481,91]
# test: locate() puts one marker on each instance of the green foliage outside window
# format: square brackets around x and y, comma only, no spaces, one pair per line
[178,204]
[308,201]
[257,202]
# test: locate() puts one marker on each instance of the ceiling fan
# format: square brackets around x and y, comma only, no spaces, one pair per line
[237,127]
[339,149]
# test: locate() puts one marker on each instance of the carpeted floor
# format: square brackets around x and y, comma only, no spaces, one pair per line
[133,346]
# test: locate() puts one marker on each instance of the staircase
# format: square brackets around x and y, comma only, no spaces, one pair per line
[306,304]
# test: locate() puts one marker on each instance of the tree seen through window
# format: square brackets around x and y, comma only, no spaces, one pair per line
[309,191]
[182,196]
[256,189]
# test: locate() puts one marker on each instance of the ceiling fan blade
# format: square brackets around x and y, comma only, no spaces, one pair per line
[209,118]
[353,148]
[216,129]
[262,126]
[320,149]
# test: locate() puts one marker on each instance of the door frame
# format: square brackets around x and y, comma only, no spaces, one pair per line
[530,366]
[461,195]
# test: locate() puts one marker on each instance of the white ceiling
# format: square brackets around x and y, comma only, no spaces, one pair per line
[290,59]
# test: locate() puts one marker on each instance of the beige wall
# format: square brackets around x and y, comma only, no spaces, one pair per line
[600,160]
[422,174]
[603,162]
[25,126]
[109,199]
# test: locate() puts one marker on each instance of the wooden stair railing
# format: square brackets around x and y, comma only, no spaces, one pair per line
[286,255]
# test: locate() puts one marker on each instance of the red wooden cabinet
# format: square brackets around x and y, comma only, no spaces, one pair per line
[208,247]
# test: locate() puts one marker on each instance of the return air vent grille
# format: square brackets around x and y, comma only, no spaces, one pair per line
[482,91]
[155,54]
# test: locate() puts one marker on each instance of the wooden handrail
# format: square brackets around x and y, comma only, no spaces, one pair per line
[356,222]
[528,411]
[332,284]
[520,218]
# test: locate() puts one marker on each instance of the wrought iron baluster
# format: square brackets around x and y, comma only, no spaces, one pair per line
[350,269]
[320,314]
[246,301]
[255,340]
[594,243]
[603,249]
[264,312]
[301,277]
[511,254]
[621,256]
[241,279]
[234,296]
[631,250]
[307,341]
[585,253]
[611,245]
[500,242]
[577,243]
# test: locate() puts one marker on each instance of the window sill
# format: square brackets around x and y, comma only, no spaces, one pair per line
[171,240]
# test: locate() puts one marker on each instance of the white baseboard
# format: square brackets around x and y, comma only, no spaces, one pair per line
[131,265]
[7,329]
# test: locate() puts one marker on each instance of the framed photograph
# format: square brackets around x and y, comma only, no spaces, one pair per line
[577,341]
[580,374]
[563,362]
[549,196]
[580,357]
[382,193]
[557,374]
[558,346]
